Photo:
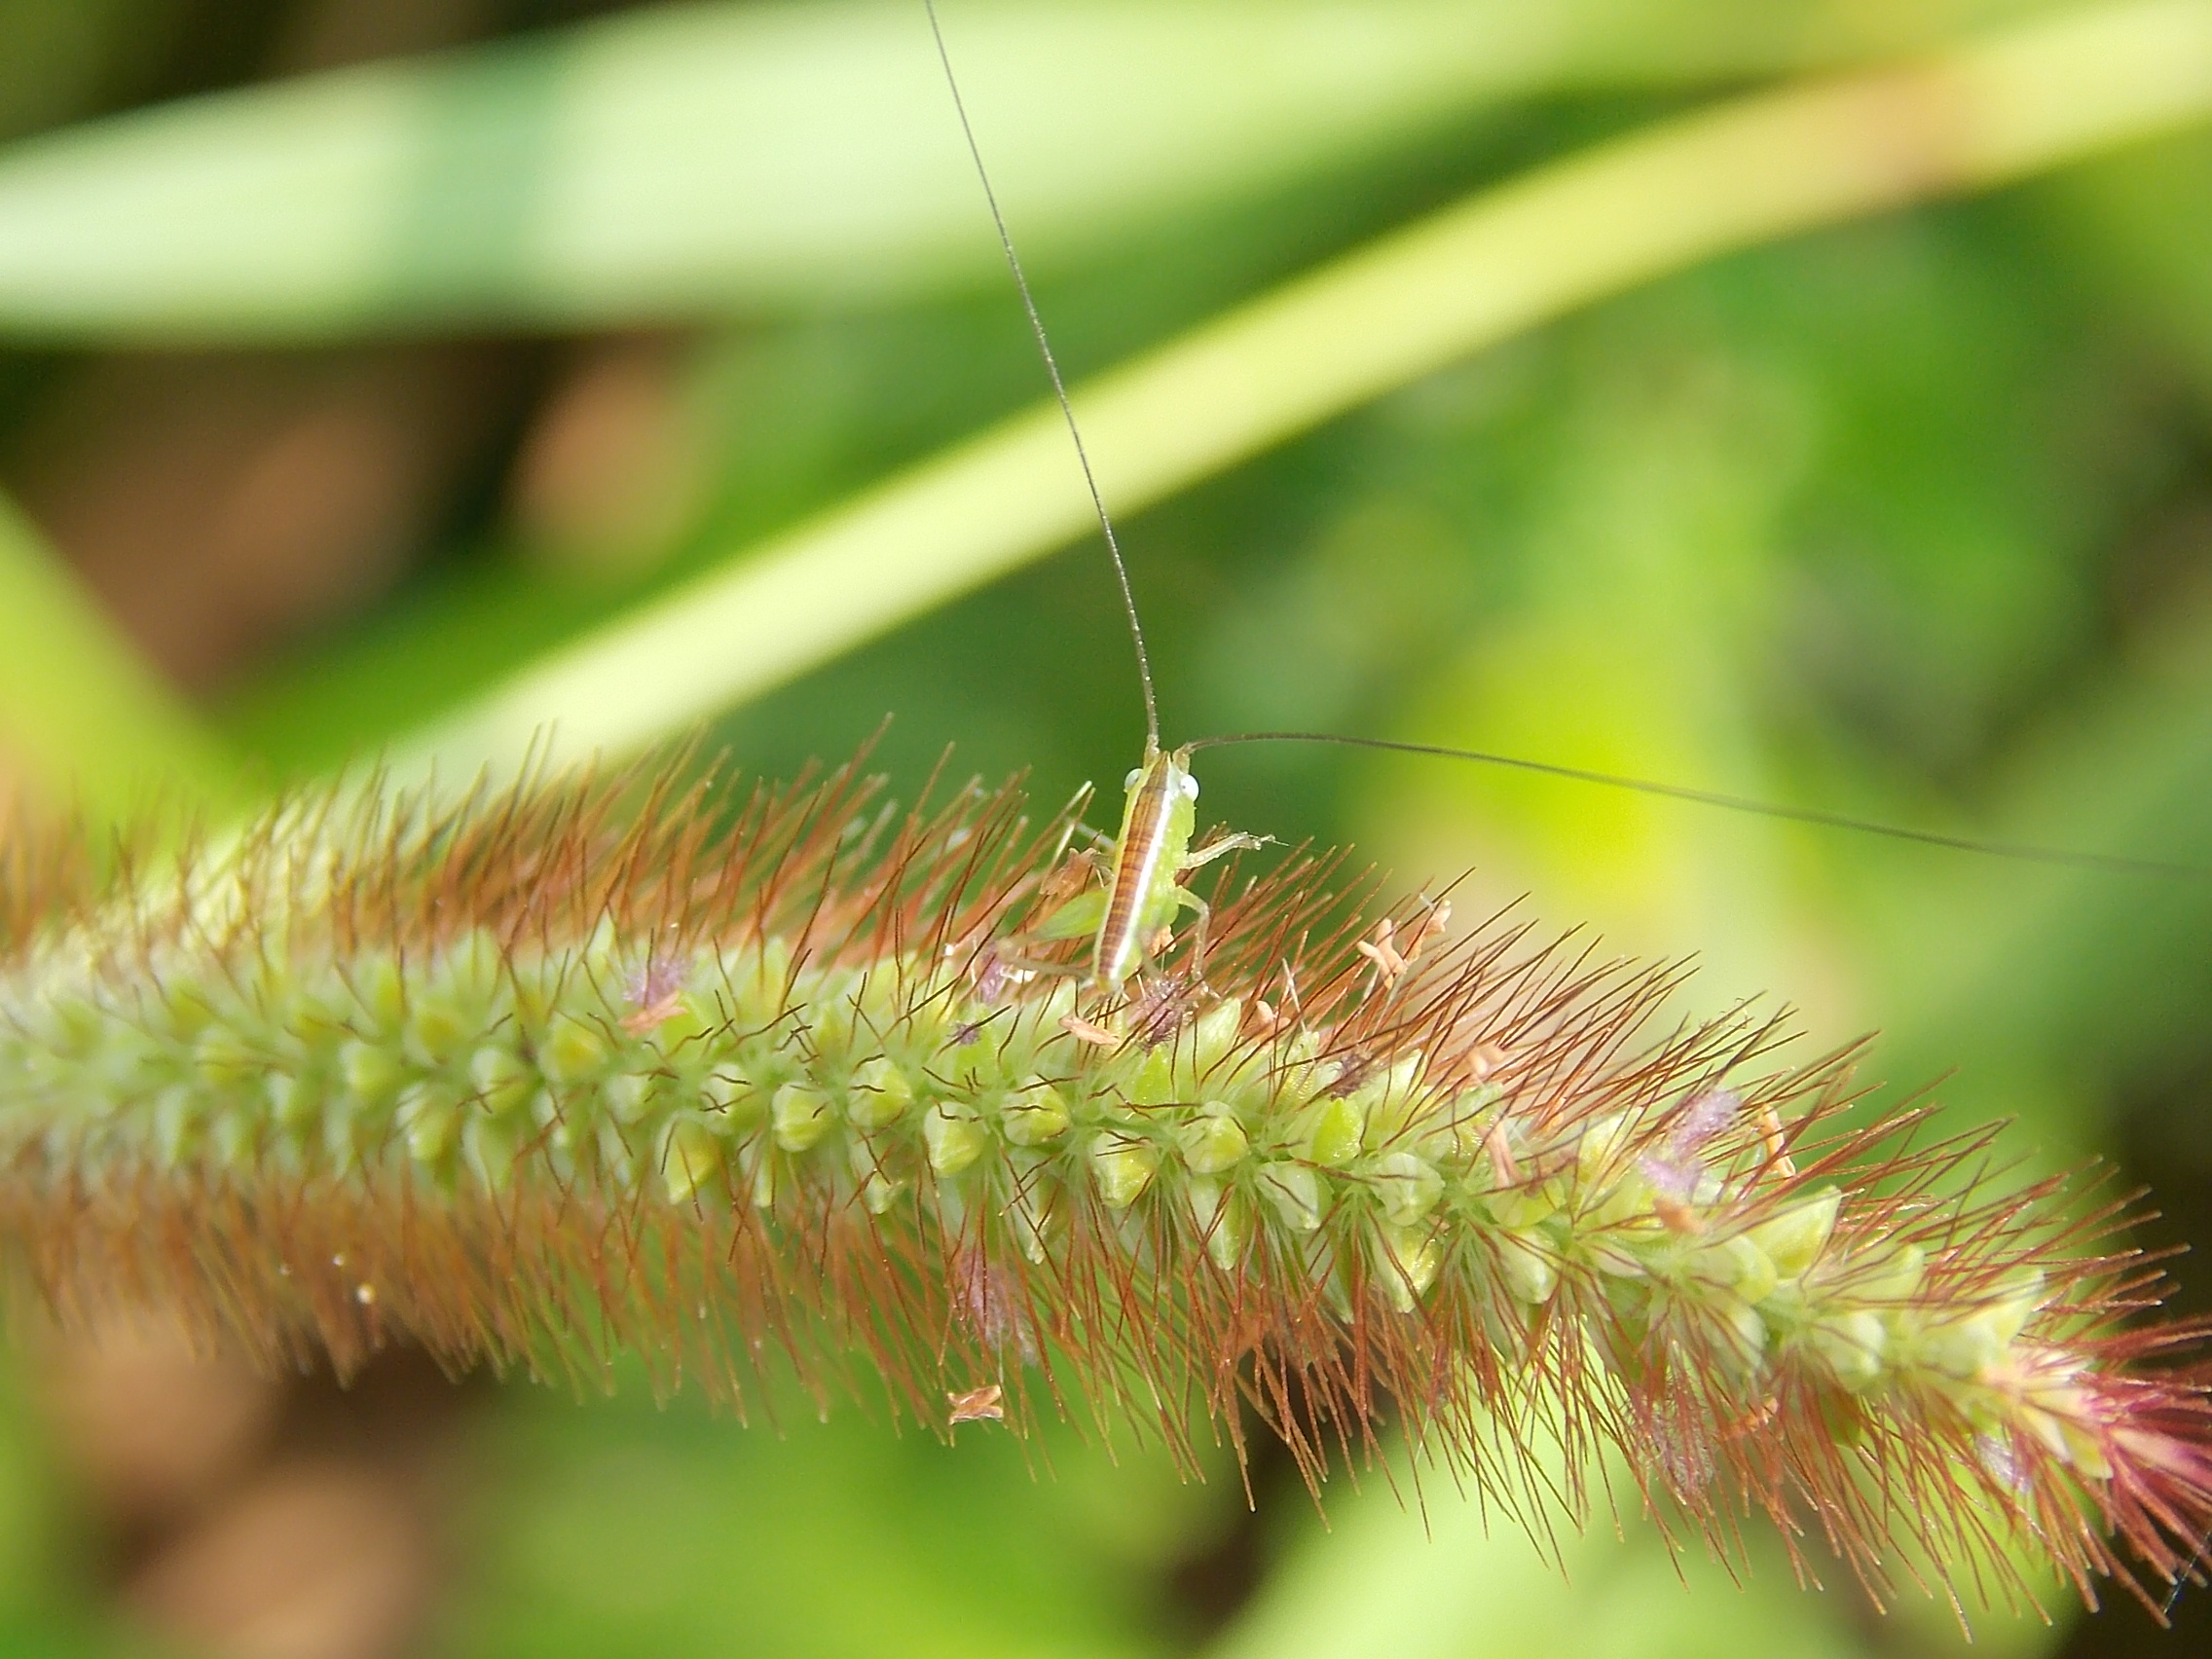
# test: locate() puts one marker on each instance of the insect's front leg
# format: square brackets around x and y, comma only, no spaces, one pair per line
[1236,841]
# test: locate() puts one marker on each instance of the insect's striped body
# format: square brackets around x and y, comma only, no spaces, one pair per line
[1151,854]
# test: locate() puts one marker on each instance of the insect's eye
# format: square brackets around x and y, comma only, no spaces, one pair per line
[1188,786]
[1130,781]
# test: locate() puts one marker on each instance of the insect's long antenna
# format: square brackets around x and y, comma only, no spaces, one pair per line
[2110,863]
[1059,386]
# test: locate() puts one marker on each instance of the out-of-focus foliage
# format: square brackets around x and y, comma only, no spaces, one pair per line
[1910,518]
[683,161]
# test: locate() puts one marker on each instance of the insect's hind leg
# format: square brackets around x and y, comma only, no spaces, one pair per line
[1200,930]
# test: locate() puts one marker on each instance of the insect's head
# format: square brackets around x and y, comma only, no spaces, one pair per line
[1172,766]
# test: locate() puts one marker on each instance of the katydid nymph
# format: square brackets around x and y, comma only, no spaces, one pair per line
[1144,891]
[1129,917]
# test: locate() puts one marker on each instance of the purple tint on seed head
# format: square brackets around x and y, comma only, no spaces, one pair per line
[1682,1449]
[993,1307]
[1676,1177]
[991,980]
[965,1032]
[1356,1067]
[1159,1010]
[1703,1116]
[656,982]
[1999,1459]
[1676,1168]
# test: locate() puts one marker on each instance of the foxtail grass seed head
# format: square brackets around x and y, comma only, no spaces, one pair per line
[704,1073]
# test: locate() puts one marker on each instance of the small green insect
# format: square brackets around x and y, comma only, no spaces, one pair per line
[1129,916]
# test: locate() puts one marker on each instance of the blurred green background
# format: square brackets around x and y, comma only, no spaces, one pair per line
[425,337]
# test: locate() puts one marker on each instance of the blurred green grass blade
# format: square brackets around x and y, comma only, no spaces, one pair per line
[691,161]
[2137,224]
[1475,273]
[636,1527]
[1454,1577]
[81,716]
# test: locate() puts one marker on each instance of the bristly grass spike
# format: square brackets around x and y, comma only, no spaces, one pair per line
[553,1070]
